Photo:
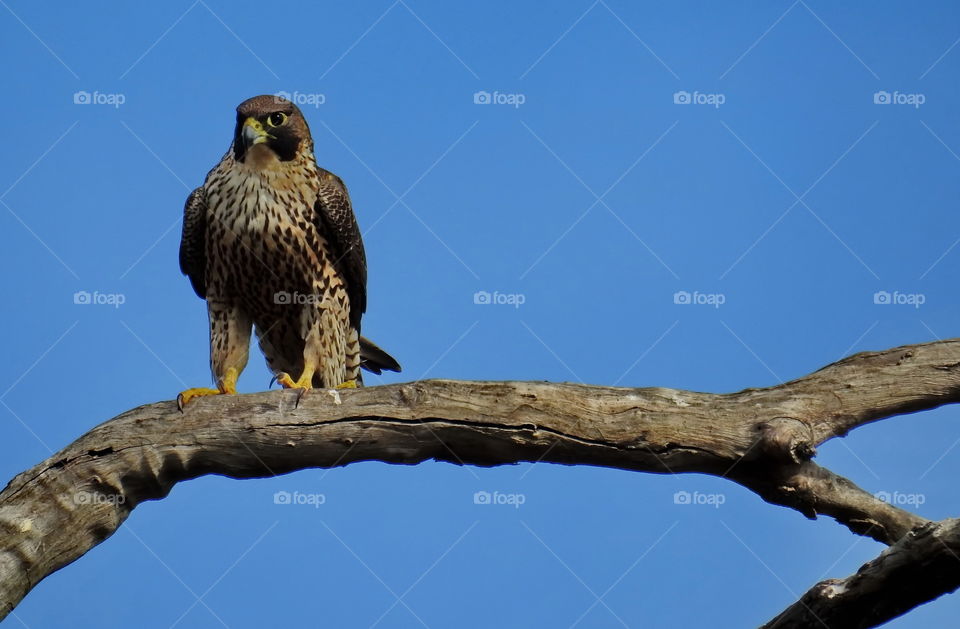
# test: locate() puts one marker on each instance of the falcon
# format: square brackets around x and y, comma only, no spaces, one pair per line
[271,243]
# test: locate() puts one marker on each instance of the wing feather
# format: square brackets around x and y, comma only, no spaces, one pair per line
[193,242]
[338,224]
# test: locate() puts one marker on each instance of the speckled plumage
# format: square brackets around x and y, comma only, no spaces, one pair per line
[271,242]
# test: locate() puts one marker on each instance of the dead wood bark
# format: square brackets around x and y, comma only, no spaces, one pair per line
[763,439]
[918,568]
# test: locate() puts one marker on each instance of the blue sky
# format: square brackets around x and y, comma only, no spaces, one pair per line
[777,194]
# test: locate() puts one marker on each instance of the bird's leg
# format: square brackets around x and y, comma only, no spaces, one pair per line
[338,350]
[229,348]
[311,324]
[227,385]
[305,381]
[352,380]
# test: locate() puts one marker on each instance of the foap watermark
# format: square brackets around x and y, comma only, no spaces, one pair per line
[283,298]
[896,298]
[96,298]
[696,298]
[298,498]
[498,98]
[900,498]
[497,498]
[98,498]
[684,97]
[496,298]
[313,99]
[698,498]
[84,97]
[898,98]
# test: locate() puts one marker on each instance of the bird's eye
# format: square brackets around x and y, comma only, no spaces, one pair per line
[276,119]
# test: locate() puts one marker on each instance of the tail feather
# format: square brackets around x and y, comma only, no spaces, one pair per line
[374,359]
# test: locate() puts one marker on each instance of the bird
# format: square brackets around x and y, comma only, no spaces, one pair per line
[271,242]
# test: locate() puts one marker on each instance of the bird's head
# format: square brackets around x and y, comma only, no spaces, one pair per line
[269,126]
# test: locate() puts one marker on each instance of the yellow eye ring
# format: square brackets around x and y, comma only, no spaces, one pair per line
[276,119]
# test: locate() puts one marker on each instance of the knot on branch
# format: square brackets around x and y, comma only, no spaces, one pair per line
[409,394]
[786,439]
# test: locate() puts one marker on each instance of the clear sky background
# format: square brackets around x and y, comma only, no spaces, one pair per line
[785,192]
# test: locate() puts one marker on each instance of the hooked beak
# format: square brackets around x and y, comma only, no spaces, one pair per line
[254,133]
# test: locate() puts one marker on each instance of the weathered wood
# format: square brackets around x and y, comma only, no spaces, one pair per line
[919,568]
[762,439]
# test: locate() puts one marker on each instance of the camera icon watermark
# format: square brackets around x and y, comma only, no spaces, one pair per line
[898,98]
[497,498]
[498,98]
[496,298]
[283,298]
[297,498]
[900,498]
[84,97]
[98,498]
[301,99]
[696,298]
[697,498]
[96,298]
[896,298]
[684,97]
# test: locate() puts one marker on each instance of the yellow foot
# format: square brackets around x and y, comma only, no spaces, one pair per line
[228,385]
[305,381]
[349,384]
[304,384]
[185,396]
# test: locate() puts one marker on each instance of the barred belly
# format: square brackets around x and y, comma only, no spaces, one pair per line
[269,260]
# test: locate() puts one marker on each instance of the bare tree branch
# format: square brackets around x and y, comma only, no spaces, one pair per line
[920,567]
[762,439]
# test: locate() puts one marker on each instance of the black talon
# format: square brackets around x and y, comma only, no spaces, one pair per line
[300,395]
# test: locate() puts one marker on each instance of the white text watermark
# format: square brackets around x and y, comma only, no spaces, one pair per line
[301,99]
[497,498]
[698,98]
[96,298]
[498,98]
[496,298]
[898,98]
[900,498]
[698,498]
[896,298]
[298,498]
[98,98]
[97,498]
[696,298]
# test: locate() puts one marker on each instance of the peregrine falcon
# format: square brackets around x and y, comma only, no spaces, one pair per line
[271,242]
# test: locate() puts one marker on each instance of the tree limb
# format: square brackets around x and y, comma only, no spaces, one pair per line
[762,439]
[919,568]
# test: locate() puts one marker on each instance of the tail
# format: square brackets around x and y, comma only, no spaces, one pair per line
[374,359]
